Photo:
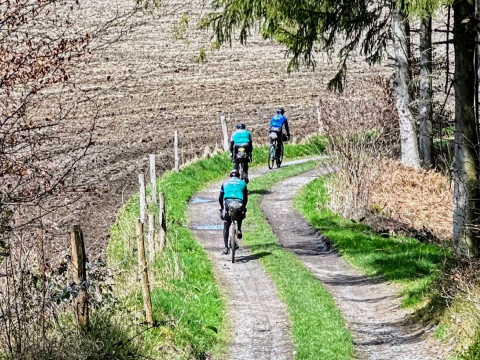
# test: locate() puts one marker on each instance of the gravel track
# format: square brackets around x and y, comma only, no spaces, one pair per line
[258,318]
[371,308]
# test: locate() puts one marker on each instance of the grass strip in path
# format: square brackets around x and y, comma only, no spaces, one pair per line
[318,329]
[402,260]
[185,297]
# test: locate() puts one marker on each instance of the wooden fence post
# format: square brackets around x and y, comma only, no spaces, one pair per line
[79,276]
[41,265]
[224,133]
[153,179]
[175,145]
[142,264]
[162,221]
[151,238]
[141,181]
[319,117]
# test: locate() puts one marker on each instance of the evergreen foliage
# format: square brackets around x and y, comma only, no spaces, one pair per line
[305,27]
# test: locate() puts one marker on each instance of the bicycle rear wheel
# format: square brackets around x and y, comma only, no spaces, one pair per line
[280,156]
[241,170]
[233,239]
[271,156]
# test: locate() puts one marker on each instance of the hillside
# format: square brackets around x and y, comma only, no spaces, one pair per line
[154,83]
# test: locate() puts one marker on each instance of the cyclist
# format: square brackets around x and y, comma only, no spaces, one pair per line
[276,126]
[233,193]
[241,138]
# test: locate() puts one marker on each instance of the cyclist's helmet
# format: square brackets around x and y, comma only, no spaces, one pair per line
[240,126]
[280,110]
[234,173]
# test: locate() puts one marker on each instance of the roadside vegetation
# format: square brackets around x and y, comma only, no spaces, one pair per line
[187,304]
[439,287]
[314,317]
[403,260]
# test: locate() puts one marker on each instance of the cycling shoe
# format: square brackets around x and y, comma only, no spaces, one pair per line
[225,251]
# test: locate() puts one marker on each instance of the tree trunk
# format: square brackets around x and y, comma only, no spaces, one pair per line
[425,103]
[408,134]
[477,64]
[466,201]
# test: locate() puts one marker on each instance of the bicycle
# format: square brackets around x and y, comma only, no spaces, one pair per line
[234,210]
[242,158]
[275,154]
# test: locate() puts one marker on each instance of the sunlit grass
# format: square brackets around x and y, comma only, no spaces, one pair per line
[185,298]
[402,260]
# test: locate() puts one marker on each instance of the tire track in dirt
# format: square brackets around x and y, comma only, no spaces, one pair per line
[258,319]
[371,308]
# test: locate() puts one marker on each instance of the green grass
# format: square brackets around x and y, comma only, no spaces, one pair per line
[402,260]
[185,297]
[318,329]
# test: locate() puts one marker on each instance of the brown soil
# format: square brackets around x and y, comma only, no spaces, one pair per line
[370,306]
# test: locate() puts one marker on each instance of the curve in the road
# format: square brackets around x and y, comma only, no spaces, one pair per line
[371,309]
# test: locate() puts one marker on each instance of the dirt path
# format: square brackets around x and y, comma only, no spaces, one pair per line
[258,318]
[371,309]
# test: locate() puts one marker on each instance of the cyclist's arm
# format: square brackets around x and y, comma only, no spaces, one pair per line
[245,196]
[220,197]
[287,129]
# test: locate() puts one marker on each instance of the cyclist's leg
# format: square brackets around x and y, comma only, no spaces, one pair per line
[236,162]
[226,228]
[239,223]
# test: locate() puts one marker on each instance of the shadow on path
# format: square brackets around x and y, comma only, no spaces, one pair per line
[247,258]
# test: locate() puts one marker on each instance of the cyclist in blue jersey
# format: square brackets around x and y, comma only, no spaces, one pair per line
[241,138]
[233,195]
[276,125]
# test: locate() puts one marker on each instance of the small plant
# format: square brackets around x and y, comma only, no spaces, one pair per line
[180,28]
[202,56]
[215,45]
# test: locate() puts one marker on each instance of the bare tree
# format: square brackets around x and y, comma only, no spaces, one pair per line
[466,193]
[42,46]
[408,131]
[425,102]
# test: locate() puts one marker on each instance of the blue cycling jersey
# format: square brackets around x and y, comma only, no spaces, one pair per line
[241,136]
[278,121]
[233,188]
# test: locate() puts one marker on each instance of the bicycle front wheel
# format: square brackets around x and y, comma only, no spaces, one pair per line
[271,156]
[233,239]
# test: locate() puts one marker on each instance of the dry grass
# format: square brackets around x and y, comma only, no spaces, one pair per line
[419,199]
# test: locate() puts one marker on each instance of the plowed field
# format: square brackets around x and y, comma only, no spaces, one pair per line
[158,85]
